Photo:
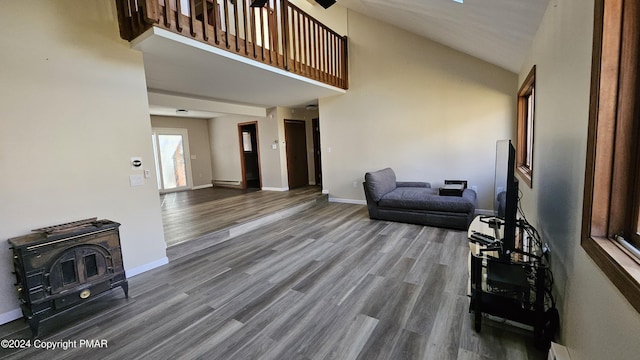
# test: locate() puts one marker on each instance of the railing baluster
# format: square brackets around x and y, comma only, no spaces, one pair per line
[216,19]
[262,32]
[299,37]
[167,14]
[245,10]
[235,20]
[325,66]
[205,20]
[333,57]
[276,42]
[306,44]
[316,49]
[253,31]
[192,16]
[284,10]
[269,32]
[135,15]
[226,23]
[178,16]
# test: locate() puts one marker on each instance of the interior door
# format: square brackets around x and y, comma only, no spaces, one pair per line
[295,135]
[317,155]
[172,159]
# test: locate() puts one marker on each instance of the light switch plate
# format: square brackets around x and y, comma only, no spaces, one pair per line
[136,180]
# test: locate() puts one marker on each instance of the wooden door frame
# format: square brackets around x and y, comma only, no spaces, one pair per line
[243,185]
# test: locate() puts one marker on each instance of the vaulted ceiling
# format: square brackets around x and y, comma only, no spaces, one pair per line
[497,31]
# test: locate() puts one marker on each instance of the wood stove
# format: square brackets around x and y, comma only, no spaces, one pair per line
[62,266]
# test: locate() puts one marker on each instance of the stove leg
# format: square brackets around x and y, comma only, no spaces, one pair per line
[125,288]
[34,323]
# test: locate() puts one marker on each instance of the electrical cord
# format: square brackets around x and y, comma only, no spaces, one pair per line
[534,235]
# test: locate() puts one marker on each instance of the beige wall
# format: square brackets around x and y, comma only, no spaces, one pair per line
[427,111]
[225,148]
[597,322]
[75,111]
[286,113]
[199,145]
[225,156]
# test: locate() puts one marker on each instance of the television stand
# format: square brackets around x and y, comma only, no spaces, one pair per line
[509,286]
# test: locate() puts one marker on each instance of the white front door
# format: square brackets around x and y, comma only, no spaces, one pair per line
[173,165]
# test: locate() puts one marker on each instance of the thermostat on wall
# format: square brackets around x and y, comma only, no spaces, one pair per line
[136,163]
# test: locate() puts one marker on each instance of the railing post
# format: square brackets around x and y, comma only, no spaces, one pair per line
[123,20]
[150,11]
[285,32]
[345,61]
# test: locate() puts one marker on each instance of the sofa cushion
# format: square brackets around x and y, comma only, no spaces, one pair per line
[411,198]
[380,182]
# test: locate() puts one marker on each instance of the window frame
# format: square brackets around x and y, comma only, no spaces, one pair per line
[525,127]
[612,154]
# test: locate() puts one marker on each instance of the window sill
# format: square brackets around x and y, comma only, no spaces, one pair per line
[525,174]
[621,269]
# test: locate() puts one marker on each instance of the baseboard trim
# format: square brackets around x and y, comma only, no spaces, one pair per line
[485,212]
[9,316]
[347,201]
[266,188]
[146,267]
[202,186]
[325,192]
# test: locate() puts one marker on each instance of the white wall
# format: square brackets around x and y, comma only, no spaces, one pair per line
[74,112]
[427,111]
[596,321]
[199,145]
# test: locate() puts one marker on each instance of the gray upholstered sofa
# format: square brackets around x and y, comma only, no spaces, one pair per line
[416,202]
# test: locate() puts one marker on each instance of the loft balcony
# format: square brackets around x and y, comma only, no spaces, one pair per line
[279,45]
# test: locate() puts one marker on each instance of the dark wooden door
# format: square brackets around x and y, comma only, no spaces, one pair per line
[295,136]
[317,158]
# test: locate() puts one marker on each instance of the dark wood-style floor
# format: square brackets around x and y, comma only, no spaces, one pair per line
[188,215]
[327,283]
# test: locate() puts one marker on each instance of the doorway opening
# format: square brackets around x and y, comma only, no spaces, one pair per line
[249,155]
[172,159]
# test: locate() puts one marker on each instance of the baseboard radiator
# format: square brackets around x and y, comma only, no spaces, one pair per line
[558,352]
[227,183]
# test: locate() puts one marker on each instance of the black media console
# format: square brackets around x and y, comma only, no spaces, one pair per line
[512,286]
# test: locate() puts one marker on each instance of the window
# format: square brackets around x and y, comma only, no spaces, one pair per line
[246,142]
[526,112]
[612,177]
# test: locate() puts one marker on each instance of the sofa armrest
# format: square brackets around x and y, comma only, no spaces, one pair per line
[413,184]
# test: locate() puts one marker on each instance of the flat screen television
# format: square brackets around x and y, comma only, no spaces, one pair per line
[506,194]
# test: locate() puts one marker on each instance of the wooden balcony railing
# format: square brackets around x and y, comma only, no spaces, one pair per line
[279,34]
